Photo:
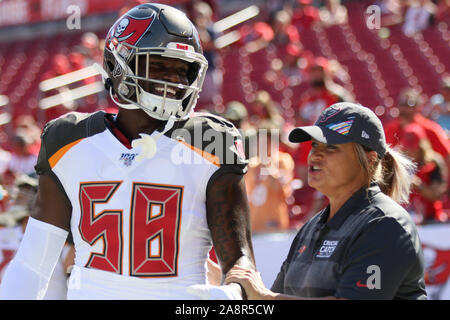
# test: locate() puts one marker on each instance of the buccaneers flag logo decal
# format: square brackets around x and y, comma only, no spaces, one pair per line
[130,29]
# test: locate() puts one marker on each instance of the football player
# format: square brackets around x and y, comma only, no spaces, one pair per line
[145,193]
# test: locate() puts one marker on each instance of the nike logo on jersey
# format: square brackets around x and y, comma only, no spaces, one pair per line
[361,285]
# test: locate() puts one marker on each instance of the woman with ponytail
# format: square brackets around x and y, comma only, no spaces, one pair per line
[363,245]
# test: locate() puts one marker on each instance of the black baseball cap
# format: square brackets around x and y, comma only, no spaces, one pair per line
[342,123]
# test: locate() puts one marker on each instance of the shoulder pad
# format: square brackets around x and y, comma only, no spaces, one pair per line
[71,127]
[212,135]
[63,131]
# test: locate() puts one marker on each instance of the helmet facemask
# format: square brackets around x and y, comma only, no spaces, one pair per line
[161,99]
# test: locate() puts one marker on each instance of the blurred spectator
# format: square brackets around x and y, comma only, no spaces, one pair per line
[60,66]
[305,14]
[273,6]
[15,220]
[81,56]
[430,185]
[268,181]
[333,13]
[215,7]
[20,201]
[418,16]
[5,158]
[410,106]
[291,65]
[322,92]
[263,107]
[202,17]
[442,10]
[90,49]
[22,160]
[86,53]
[255,36]
[237,114]
[29,127]
[392,11]
[4,199]
[285,33]
[440,106]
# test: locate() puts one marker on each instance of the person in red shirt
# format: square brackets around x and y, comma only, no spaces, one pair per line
[430,182]
[305,14]
[322,92]
[28,125]
[285,31]
[60,65]
[410,106]
[256,36]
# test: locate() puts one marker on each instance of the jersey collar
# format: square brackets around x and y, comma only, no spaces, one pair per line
[353,205]
[116,131]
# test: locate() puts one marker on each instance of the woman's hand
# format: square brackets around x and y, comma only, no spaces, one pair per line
[251,281]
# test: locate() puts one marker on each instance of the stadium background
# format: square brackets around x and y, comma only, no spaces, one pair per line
[42,39]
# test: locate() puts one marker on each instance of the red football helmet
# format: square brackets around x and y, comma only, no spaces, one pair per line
[146,31]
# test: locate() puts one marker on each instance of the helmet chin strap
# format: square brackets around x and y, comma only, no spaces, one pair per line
[129,106]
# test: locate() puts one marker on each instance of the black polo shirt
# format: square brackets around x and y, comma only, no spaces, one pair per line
[370,249]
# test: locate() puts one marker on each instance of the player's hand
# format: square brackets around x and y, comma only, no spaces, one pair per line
[210,292]
[251,281]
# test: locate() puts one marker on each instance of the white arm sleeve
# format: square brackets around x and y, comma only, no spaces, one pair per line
[28,274]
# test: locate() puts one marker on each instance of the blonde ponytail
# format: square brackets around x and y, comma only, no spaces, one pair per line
[393,173]
[397,172]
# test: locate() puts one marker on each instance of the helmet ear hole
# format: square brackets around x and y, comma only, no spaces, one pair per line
[109,85]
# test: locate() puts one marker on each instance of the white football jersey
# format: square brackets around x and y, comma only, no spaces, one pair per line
[139,225]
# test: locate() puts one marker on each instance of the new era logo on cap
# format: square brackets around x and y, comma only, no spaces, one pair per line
[365,135]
